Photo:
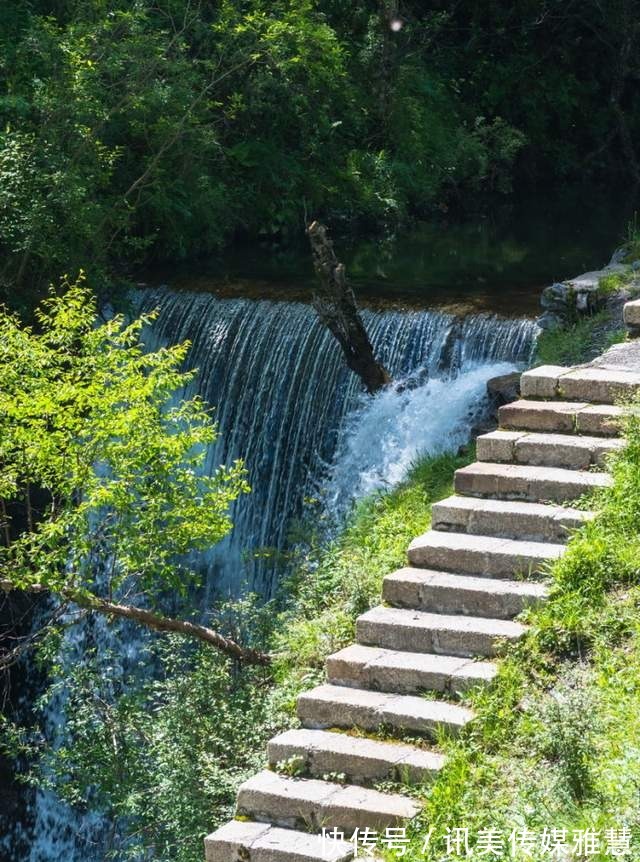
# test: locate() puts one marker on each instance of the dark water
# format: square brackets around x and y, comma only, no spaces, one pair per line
[498,263]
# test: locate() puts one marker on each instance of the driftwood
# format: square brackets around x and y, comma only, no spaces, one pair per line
[336,305]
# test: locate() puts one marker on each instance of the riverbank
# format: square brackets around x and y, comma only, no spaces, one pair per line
[582,317]
[554,744]
[547,744]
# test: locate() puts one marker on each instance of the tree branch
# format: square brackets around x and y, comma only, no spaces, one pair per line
[154,621]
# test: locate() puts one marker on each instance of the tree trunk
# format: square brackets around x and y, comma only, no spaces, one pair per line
[336,306]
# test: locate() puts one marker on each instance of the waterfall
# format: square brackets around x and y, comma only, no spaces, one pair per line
[286,404]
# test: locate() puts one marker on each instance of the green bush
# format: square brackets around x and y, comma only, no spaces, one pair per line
[132,132]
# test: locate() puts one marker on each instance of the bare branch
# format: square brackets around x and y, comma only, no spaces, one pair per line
[154,621]
[25,644]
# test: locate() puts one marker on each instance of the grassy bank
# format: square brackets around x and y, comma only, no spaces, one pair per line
[579,342]
[589,336]
[556,743]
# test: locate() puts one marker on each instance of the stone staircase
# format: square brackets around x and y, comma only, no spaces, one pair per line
[443,619]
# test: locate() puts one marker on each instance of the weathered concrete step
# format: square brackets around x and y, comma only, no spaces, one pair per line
[481,555]
[535,484]
[321,753]
[445,634]
[448,593]
[243,841]
[308,803]
[342,706]
[506,518]
[546,450]
[573,417]
[406,672]
[595,385]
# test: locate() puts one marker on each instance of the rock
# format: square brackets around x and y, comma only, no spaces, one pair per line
[555,296]
[618,256]
[632,318]
[566,300]
[620,357]
[550,321]
[504,389]
[483,556]
[537,522]
[526,483]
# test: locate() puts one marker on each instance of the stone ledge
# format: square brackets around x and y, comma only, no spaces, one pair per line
[580,295]
[631,314]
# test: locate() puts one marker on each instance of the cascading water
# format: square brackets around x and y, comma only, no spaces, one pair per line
[287,405]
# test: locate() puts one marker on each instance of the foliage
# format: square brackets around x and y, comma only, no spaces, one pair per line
[615,281]
[632,241]
[134,131]
[132,751]
[134,754]
[577,342]
[101,490]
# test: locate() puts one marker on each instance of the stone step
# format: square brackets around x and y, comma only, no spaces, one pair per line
[406,672]
[506,518]
[546,450]
[571,417]
[260,842]
[320,753]
[419,631]
[534,484]
[342,706]
[594,385]
[490,556]
[448,593]
[308,803]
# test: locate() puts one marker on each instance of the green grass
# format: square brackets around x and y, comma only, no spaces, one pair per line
[616,281]
[556,742]
[334,584]
[578,342]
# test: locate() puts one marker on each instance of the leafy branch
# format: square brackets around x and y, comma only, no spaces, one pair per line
[103,490]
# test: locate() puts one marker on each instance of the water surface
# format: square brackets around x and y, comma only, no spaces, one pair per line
[499,262]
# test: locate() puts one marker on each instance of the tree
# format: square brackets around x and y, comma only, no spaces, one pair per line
[336,306]
[161,129]
[101,487]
